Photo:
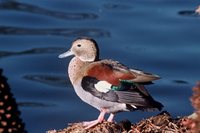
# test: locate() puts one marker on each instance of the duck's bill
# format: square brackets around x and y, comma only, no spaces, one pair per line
[66,54]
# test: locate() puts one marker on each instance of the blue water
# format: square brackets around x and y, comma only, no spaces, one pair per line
[158,36]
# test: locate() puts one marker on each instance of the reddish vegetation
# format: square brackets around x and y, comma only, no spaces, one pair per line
[198,10]
[195,99]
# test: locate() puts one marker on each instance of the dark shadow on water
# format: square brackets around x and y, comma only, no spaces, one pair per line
[34,104]
[72,32]
[115,6]
[191,13]
[52,80]
[17,6]
[180,82]
[48,50]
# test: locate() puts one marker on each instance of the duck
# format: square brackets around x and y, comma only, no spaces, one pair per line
[105,84]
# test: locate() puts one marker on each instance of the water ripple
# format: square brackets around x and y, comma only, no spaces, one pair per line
[72,32]
[13,5]
[114,6]
[34,104]
[32,51]
[52,80]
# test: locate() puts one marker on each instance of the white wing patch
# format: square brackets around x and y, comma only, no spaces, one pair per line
[103,86]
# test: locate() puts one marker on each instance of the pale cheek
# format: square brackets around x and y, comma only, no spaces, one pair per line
[78,53]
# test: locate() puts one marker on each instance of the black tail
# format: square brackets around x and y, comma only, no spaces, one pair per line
[136,95]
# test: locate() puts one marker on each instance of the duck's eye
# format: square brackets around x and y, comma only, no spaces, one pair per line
[79,45]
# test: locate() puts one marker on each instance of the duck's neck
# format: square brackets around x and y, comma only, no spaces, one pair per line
[74,69]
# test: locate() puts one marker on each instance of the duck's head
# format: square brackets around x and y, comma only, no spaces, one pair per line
[85,49]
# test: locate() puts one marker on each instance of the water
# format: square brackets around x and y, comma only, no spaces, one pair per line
[161,37]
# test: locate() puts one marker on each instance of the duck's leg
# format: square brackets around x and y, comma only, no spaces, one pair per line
[110,118]
[89,124]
